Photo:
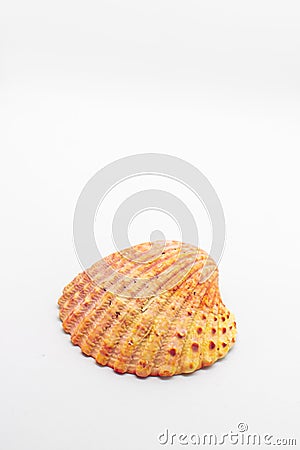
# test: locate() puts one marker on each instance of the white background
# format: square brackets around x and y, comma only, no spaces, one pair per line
[85,83]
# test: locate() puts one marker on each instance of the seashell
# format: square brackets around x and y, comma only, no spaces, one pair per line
[153,309]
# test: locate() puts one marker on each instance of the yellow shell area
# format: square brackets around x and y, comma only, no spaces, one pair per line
[179,330]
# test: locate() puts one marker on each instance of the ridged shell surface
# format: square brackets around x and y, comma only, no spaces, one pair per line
[120,313]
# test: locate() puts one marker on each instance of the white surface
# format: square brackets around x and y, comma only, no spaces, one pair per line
[85,83]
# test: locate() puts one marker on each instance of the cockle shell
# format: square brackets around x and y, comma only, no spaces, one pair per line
[166,332]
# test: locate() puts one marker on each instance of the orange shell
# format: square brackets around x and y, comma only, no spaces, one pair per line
[178,330]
